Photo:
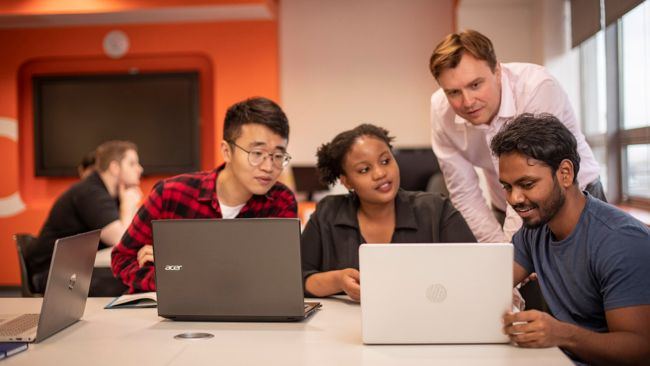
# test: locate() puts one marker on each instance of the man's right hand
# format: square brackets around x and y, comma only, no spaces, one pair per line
[145,254]
[130,197]
[349,282]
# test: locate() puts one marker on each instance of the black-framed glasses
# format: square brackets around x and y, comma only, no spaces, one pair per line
[257,157]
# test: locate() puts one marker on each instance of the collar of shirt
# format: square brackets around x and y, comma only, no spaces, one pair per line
[404,215]
[208,191]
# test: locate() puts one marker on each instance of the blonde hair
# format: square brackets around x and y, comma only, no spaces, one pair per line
[448,53]
[112,151]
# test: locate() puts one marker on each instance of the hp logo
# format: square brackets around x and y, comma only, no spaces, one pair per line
[436,293]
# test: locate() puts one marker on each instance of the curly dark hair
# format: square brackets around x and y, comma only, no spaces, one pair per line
[542,137]
[330,155]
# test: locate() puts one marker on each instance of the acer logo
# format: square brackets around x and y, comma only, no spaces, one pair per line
[173,267]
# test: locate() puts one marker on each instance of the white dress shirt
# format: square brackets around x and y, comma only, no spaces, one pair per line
[461,146]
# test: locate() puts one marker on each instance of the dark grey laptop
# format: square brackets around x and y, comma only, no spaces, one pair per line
[65,293]
[229,270]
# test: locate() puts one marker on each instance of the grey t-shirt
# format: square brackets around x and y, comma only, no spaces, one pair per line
[602,265]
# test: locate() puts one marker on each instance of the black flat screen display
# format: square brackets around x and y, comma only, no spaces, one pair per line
[157,111]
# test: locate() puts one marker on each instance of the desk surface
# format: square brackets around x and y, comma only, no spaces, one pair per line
[332,336]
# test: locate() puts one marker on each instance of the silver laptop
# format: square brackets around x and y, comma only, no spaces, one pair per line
[229,270]
[435,293]
[65,295]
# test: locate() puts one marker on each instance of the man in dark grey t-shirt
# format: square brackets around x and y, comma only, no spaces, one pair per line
[592,260]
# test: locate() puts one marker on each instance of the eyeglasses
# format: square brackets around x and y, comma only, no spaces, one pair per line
[257,157]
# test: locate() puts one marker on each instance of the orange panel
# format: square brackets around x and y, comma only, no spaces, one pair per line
[236,60]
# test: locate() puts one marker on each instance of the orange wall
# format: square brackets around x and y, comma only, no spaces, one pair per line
[242,60]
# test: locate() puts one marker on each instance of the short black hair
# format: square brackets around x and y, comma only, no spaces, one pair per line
[542,137]
[258,110]
[330,155]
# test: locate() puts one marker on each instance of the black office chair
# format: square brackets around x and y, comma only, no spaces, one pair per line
[419,170]
[23,242]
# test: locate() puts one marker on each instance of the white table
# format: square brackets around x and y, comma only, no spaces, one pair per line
[330,337]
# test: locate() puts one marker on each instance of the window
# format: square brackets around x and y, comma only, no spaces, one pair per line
[635,102]
[635,53]
[594,98]
[615,88]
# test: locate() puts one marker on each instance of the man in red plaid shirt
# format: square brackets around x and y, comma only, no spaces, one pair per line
[254,148]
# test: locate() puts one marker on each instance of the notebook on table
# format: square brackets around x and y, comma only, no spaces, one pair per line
[435,293]
[8,349]
[229,270]
[65,295]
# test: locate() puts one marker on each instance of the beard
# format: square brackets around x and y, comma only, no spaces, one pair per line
[547,209]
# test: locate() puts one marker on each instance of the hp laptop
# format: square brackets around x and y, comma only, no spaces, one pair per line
[229,270]
[435,293]
[65,293]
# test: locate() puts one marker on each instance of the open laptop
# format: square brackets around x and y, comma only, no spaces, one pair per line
[65,293]
[229,270]
[435,293]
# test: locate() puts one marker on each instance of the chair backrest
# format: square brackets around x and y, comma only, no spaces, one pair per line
[416,167]
[23,242]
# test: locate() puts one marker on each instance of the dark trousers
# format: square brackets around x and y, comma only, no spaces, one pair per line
[595,189]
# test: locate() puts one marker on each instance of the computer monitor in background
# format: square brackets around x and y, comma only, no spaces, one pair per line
[307,180]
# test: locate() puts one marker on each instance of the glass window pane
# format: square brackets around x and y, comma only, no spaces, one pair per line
[635,37]
[638,170]
[593,88]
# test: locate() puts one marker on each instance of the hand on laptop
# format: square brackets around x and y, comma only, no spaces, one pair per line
[518,302]
[349,280]
[531,277]
[145,254]
[534,329]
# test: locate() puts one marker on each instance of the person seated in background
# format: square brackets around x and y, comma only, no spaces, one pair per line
[591,258]
[375,211]
[254,148]
[106,199]
[86,165]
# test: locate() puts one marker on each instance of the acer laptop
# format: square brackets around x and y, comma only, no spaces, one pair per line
[229,270]
[435,293]
[65,295]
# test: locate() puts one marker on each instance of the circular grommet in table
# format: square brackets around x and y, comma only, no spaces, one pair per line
[193,335]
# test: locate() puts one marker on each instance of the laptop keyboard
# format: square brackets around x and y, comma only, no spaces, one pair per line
[19,325]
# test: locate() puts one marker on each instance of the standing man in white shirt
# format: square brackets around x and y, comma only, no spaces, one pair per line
[477,96]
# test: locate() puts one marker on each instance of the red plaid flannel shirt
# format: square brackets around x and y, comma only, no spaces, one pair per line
[186,196]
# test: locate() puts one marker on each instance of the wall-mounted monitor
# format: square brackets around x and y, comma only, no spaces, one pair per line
[157,111]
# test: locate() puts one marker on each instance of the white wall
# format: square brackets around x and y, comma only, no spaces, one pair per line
[345,62]
[558,56]
[536,31]
[508,24]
